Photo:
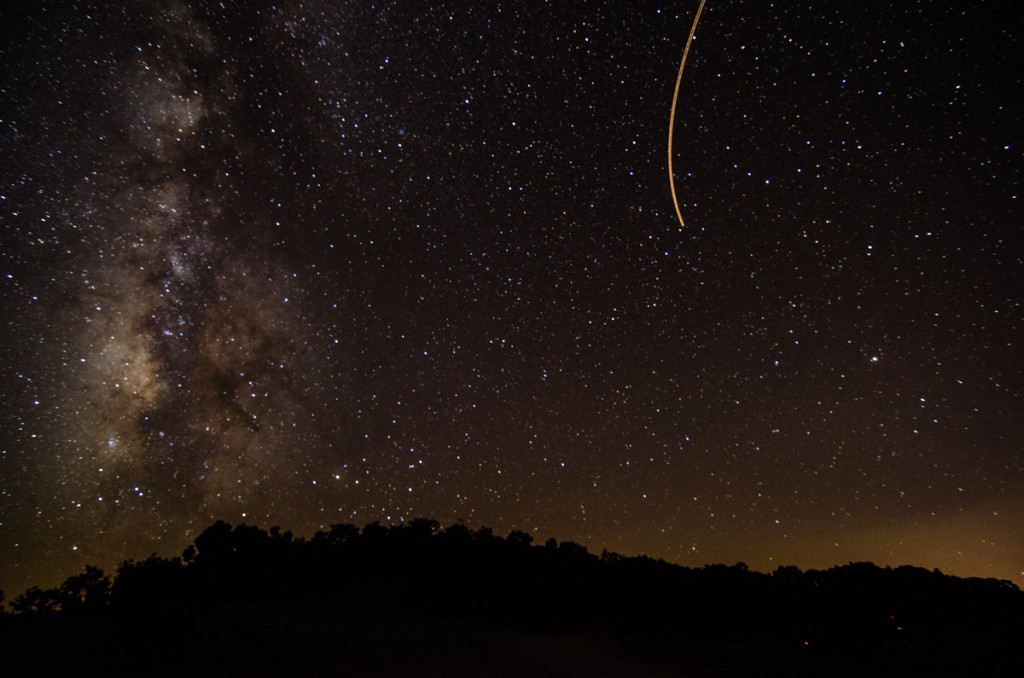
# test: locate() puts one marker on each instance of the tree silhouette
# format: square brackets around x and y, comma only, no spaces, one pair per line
[457,573]
[36,602]
[518,539]
[214,543]
[152,586]
[85,593]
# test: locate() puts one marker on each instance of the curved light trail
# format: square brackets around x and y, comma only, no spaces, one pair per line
[672,114]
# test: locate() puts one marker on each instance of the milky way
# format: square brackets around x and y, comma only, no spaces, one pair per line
[345,261]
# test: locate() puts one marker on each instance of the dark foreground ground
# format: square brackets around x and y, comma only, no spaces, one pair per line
[321,639]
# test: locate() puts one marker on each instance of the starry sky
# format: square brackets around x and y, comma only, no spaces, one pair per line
[354,261]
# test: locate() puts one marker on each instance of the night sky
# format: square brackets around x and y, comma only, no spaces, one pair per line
[364,261]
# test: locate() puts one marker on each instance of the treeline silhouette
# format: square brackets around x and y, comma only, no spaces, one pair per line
[475,575]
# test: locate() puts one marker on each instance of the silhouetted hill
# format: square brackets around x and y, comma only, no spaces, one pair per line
[416,599]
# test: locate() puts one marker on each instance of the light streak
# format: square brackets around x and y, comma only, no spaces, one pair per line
[672,115]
